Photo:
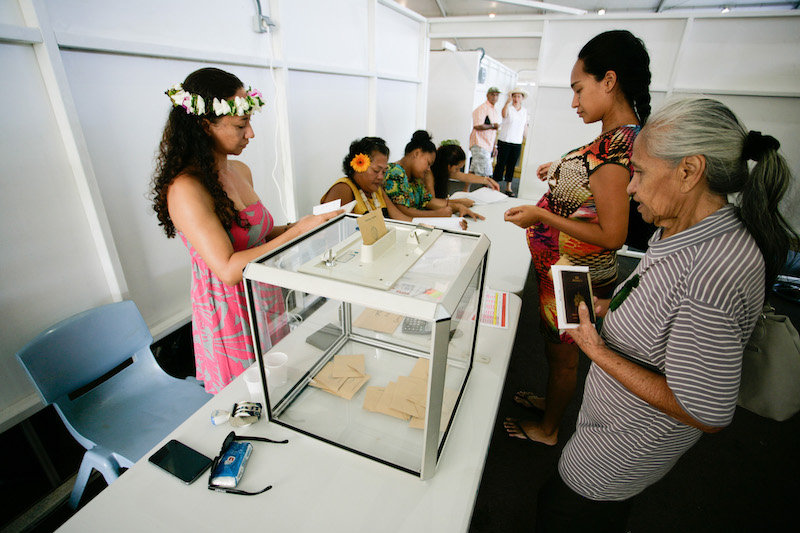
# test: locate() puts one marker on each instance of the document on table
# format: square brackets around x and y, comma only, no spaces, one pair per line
[494,311]
[482,196]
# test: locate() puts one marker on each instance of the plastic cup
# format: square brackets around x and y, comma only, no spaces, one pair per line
[276,363]
[252,378]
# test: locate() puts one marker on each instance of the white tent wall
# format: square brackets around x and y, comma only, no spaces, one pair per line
[454,92]
[87,79]
[752,63]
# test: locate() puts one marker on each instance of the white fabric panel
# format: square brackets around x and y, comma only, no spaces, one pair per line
[397,43]
[49,267]
[565,38]
[742,54]
[122,114]
[450,95]
[323,123]
[396,103]
[328,34]
[220,27]
[10,14]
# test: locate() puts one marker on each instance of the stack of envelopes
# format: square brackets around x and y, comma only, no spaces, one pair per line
[343,376]
[406,398]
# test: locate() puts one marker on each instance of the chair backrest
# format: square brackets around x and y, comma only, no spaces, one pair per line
[84,347]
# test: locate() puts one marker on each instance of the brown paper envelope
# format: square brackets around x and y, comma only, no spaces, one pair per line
[448,403]
[372,226]
[348,366]
[380,321]
[418,386]
[406,388]
[384,405]
[371,398]
[324,379]
[416,423]
[420,369]
[351,387]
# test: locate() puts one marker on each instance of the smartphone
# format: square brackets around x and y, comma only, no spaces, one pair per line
[181,461]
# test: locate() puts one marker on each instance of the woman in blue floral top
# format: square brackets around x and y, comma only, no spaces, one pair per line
[405,186]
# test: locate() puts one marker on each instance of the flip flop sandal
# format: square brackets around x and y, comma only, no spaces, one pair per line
[526,399]
[514,422]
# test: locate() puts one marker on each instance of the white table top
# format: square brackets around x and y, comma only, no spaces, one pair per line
[509,257]
[317,486]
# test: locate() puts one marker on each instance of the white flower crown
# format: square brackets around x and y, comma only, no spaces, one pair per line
[195,105]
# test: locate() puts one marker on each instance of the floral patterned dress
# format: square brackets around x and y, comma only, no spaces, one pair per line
[569,196]
[223,343]
[405,190]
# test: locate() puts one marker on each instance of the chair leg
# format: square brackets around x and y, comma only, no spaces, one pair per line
[95,459]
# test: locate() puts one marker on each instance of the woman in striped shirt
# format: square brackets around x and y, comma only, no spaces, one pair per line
[667,364]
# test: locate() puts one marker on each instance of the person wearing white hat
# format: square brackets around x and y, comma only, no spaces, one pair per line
[509,139]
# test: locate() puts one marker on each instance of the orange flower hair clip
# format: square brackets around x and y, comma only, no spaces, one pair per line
[360,162]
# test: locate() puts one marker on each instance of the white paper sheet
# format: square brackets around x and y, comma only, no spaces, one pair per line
[482,196]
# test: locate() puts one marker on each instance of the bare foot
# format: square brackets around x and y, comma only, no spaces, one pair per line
[529,400]
[529,430]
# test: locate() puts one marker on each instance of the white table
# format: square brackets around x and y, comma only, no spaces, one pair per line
[509,257]
[317,486]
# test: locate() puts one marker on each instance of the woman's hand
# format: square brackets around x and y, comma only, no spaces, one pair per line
[524,216]
[601,306]
[542,171]
[464,211]
[310,222]
[464,201]
[585,335]
[489,182]
[445,211]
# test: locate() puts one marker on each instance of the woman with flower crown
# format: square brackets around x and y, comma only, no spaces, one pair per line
[364,167]
[210,202]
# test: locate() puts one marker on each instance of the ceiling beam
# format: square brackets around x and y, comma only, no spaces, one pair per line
[545,6]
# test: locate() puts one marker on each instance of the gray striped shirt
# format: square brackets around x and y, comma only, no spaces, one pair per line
[699,296]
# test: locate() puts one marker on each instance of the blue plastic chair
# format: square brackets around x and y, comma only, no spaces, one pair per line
[121,419]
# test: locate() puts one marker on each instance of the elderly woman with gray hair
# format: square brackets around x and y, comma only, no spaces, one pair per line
[667,363]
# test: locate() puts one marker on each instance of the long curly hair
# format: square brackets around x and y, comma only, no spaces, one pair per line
[186,148]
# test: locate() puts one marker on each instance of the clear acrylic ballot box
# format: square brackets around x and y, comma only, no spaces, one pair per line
[369,348]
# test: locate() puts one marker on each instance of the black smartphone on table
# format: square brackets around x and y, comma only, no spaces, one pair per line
[181,461]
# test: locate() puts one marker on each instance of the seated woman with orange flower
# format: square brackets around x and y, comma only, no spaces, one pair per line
[364,168]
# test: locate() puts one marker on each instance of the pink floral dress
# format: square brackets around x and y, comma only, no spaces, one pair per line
[223,342]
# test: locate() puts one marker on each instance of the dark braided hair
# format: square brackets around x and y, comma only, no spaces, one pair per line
[187,148]
[626,55]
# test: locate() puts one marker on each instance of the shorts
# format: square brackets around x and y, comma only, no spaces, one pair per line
[481,161]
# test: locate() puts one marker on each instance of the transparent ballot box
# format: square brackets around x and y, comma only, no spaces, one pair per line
[369,347]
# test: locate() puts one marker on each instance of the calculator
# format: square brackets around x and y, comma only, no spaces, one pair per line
[416,326]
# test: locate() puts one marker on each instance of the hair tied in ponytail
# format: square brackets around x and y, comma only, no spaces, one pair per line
[756,144]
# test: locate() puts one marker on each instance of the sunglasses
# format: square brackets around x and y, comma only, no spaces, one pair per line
[226,444]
